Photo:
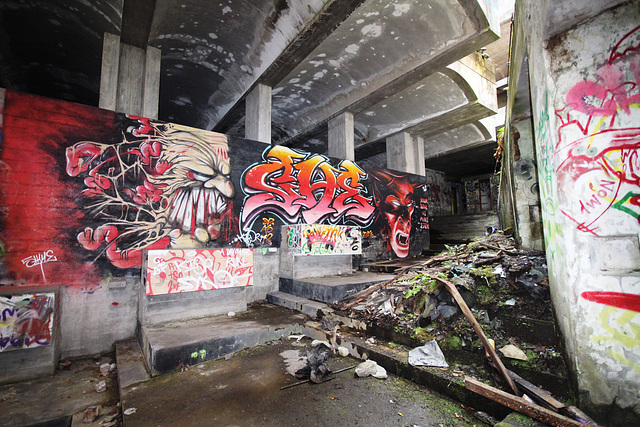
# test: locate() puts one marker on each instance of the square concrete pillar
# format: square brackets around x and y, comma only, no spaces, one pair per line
[130,78]
[405,154]
[341,137]
[420,168]
[151,93]
[109,71]
[257,122]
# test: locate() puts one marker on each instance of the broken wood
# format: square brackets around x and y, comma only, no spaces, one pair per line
[545,399]
[306,381]
[519,404]
[478,330]
[506,251]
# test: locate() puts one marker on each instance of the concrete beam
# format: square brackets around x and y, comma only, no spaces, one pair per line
[341,137]
[332,15]
[258,114]
[385,84]
[137,17]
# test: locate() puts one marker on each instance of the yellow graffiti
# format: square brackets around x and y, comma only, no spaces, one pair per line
[626,333]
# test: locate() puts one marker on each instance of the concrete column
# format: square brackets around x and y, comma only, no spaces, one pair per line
[109,71]
[130,78]
[151,94]
[419,156]
[257,122]
[400,152]
[341,137]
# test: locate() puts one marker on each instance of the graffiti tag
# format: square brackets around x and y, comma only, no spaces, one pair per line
[40,260]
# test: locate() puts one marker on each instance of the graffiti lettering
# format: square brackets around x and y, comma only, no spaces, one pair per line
[324,239]
[305,187]
[267,228]
[40,260]
[170,271]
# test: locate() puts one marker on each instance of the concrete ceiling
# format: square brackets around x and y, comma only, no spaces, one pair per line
[396,65]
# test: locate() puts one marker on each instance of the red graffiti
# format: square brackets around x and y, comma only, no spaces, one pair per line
[163,185]
[91,239]
[614,299]
[598,155]
[304,186]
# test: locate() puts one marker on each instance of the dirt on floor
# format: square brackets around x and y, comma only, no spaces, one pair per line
[246,391]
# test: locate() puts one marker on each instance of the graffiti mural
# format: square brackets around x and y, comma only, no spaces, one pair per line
[163,186]
[26,321]
[598,146]
[86,191]
[172,271]
[324,239]
[395,195]
[305,187]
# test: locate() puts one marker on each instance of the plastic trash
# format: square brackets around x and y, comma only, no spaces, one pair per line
[429,354]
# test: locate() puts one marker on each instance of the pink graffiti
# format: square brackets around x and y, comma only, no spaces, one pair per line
[597,156]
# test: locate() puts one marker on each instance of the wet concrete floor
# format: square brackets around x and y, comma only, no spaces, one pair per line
[245,390]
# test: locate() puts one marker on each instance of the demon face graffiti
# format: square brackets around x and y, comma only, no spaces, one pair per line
[163,186]
[394,195]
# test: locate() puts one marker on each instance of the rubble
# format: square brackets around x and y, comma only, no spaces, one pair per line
[371,368]
[505,293]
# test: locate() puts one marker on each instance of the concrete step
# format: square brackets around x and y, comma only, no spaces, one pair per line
[331,289]
[313,309]
[169,346]
[131,364]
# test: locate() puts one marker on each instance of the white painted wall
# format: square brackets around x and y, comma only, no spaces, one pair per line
[587,143]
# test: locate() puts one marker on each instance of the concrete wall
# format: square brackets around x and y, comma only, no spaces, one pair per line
[584,97]
[86,191]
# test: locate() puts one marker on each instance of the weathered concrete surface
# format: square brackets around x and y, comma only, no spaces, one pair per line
[131,365]
[54,399]
[245,390]
[169,346]
[585,210]
[331,289]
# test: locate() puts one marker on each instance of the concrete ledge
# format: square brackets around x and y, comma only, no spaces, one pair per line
[166,347]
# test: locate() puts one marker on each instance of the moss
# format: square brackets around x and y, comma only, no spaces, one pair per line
[484,294]
[452,343]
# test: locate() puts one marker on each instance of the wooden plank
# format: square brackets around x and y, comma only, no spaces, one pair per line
[519,404]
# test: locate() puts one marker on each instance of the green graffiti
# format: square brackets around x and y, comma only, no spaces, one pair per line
[201,354]
[620,204]
[625,334]
[547,179]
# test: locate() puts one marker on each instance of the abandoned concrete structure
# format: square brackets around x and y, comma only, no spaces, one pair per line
[150,148]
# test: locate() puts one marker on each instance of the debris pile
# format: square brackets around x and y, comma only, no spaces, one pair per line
[459,298]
